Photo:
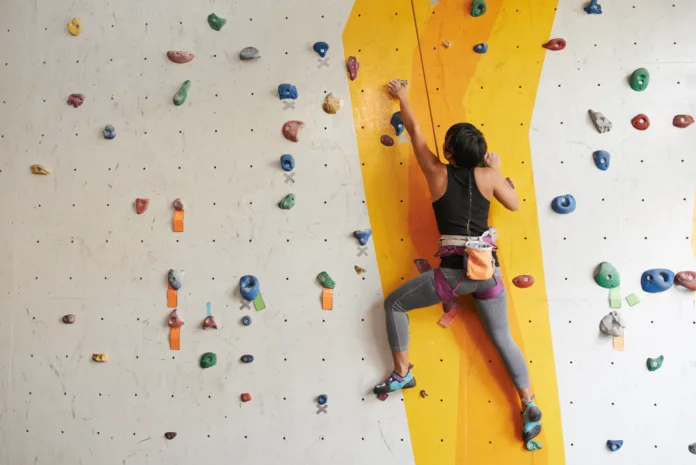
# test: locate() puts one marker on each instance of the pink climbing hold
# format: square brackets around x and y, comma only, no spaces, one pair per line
[555,45]
[386,140]
[686,279]
[291,130]
[179,56]
[382,397]
[353,66]
[76,100]
[209,322]
[174,320]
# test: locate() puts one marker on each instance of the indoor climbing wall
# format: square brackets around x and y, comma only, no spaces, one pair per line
[74,244]
[637,215]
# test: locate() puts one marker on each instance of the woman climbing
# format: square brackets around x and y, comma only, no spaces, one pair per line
[461,193]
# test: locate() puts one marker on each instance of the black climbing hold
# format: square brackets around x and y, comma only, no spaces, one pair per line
[481,48]
[287,91]
[657,280]
[322,399]
[246,321]
[249,53]
[593,8]
[692,448]
[247,358]
[287,162]
[563,204]
[170,435]
[614,445]
[322,48]
[601,159]
[397,123]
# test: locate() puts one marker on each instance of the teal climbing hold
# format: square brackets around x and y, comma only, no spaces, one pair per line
[478,8]
[655,364]
[657,280]
[181,96]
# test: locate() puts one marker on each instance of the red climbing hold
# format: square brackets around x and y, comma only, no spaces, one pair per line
[555,44]
[209,322]
[683,121]
[180,57]
[170,435]
[141,205]
[353,66]
[178,205]
[291,130]
[523,281]
[174,320]
[686,279]
[76,100]
[640,122]
[246,397]
[386,140]
[382,397]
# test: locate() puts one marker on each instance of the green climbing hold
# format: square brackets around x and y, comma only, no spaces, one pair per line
[478,8]
[654,364]
[180,97]
[640,79]
[288,202]
[325,280]
[208,360]
[606,275]
[216,22]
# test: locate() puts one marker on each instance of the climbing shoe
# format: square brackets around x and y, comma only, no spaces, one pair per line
[531,418]
[396,382]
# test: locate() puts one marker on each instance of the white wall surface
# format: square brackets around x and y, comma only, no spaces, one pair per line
[637,215]
[72,243]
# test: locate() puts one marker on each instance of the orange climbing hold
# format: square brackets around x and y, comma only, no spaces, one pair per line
[178,221]
[327,299]
[172,297]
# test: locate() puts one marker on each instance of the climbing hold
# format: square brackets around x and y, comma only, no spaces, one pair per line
[174,321]
[322,399]
[182,93]
[249,53]
[287,91]
[170,435]
[614,445]
[76,100]
[382,397]
[69,319]
[606,275]
[322,48]
[593,8]
[291,130]
[287,162]
[612,324]
[523,281]
[249,287]
[387,140]
[683,121]
[39,169]
[247,358]
[563,204]
[639,79]
[481,48]
[446,44]
[332,104]
[686,279]
[208,360]
[359,270]
[600,121]
[657,280]
[176,278]
[640,122]
[101,358]
[209,322]
[178,205]
[424,393]
[478,8]
[654,364]
[109,132]
[288,202]
[246,321]
[216,22]
[75,26]
[601,158]
[353,65]
[246,397]
[692,448]
[555,44]
[141,205]
[325,280]
[397,123]
[180,56]
[362,235]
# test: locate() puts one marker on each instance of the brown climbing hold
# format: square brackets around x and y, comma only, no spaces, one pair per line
[446,44]
[141,205]
[523,281]
[209,322]
[291,130]
[174,321]
[178,205]
[424,393]
[170,435]
[76,100]
[179,56]
[640,122]
[332,104]
[40,169]
[555,44]
[686,279]
[69,319]
[359,270]
[683,121]
[386,140]
[353,66]
[246,397]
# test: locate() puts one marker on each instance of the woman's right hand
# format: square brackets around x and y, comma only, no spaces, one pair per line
[492,160]
[398,89]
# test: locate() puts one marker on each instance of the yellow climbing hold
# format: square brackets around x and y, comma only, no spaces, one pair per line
[39,169]
[332,104]
[75,26]
[101,358]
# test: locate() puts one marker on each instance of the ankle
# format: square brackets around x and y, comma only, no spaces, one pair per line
[402,370]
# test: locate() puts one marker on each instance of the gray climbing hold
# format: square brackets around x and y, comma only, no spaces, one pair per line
[692,448]
[109,132]
[249,53]
[612,324]
[600,121]
[176,278]
[69,319]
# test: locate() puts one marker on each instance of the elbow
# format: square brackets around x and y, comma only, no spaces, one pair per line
[513,207]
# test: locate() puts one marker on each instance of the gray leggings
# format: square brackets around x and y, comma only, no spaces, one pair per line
[420,292]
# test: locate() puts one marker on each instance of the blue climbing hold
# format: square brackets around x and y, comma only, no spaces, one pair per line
[109,132]
[601,159]
[249,287]
[362,235]
[657,280]
[398,123]
[563,204]
[287,162]
[247,358]
[614,445]
[246,321]
[481,48]
[322,399]
[322,48]
[593,8]
[287,91]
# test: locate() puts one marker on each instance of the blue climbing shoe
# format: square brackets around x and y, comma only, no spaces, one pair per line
[532,425]
[396,382]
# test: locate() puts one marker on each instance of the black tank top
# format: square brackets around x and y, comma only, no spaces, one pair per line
[461,203]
